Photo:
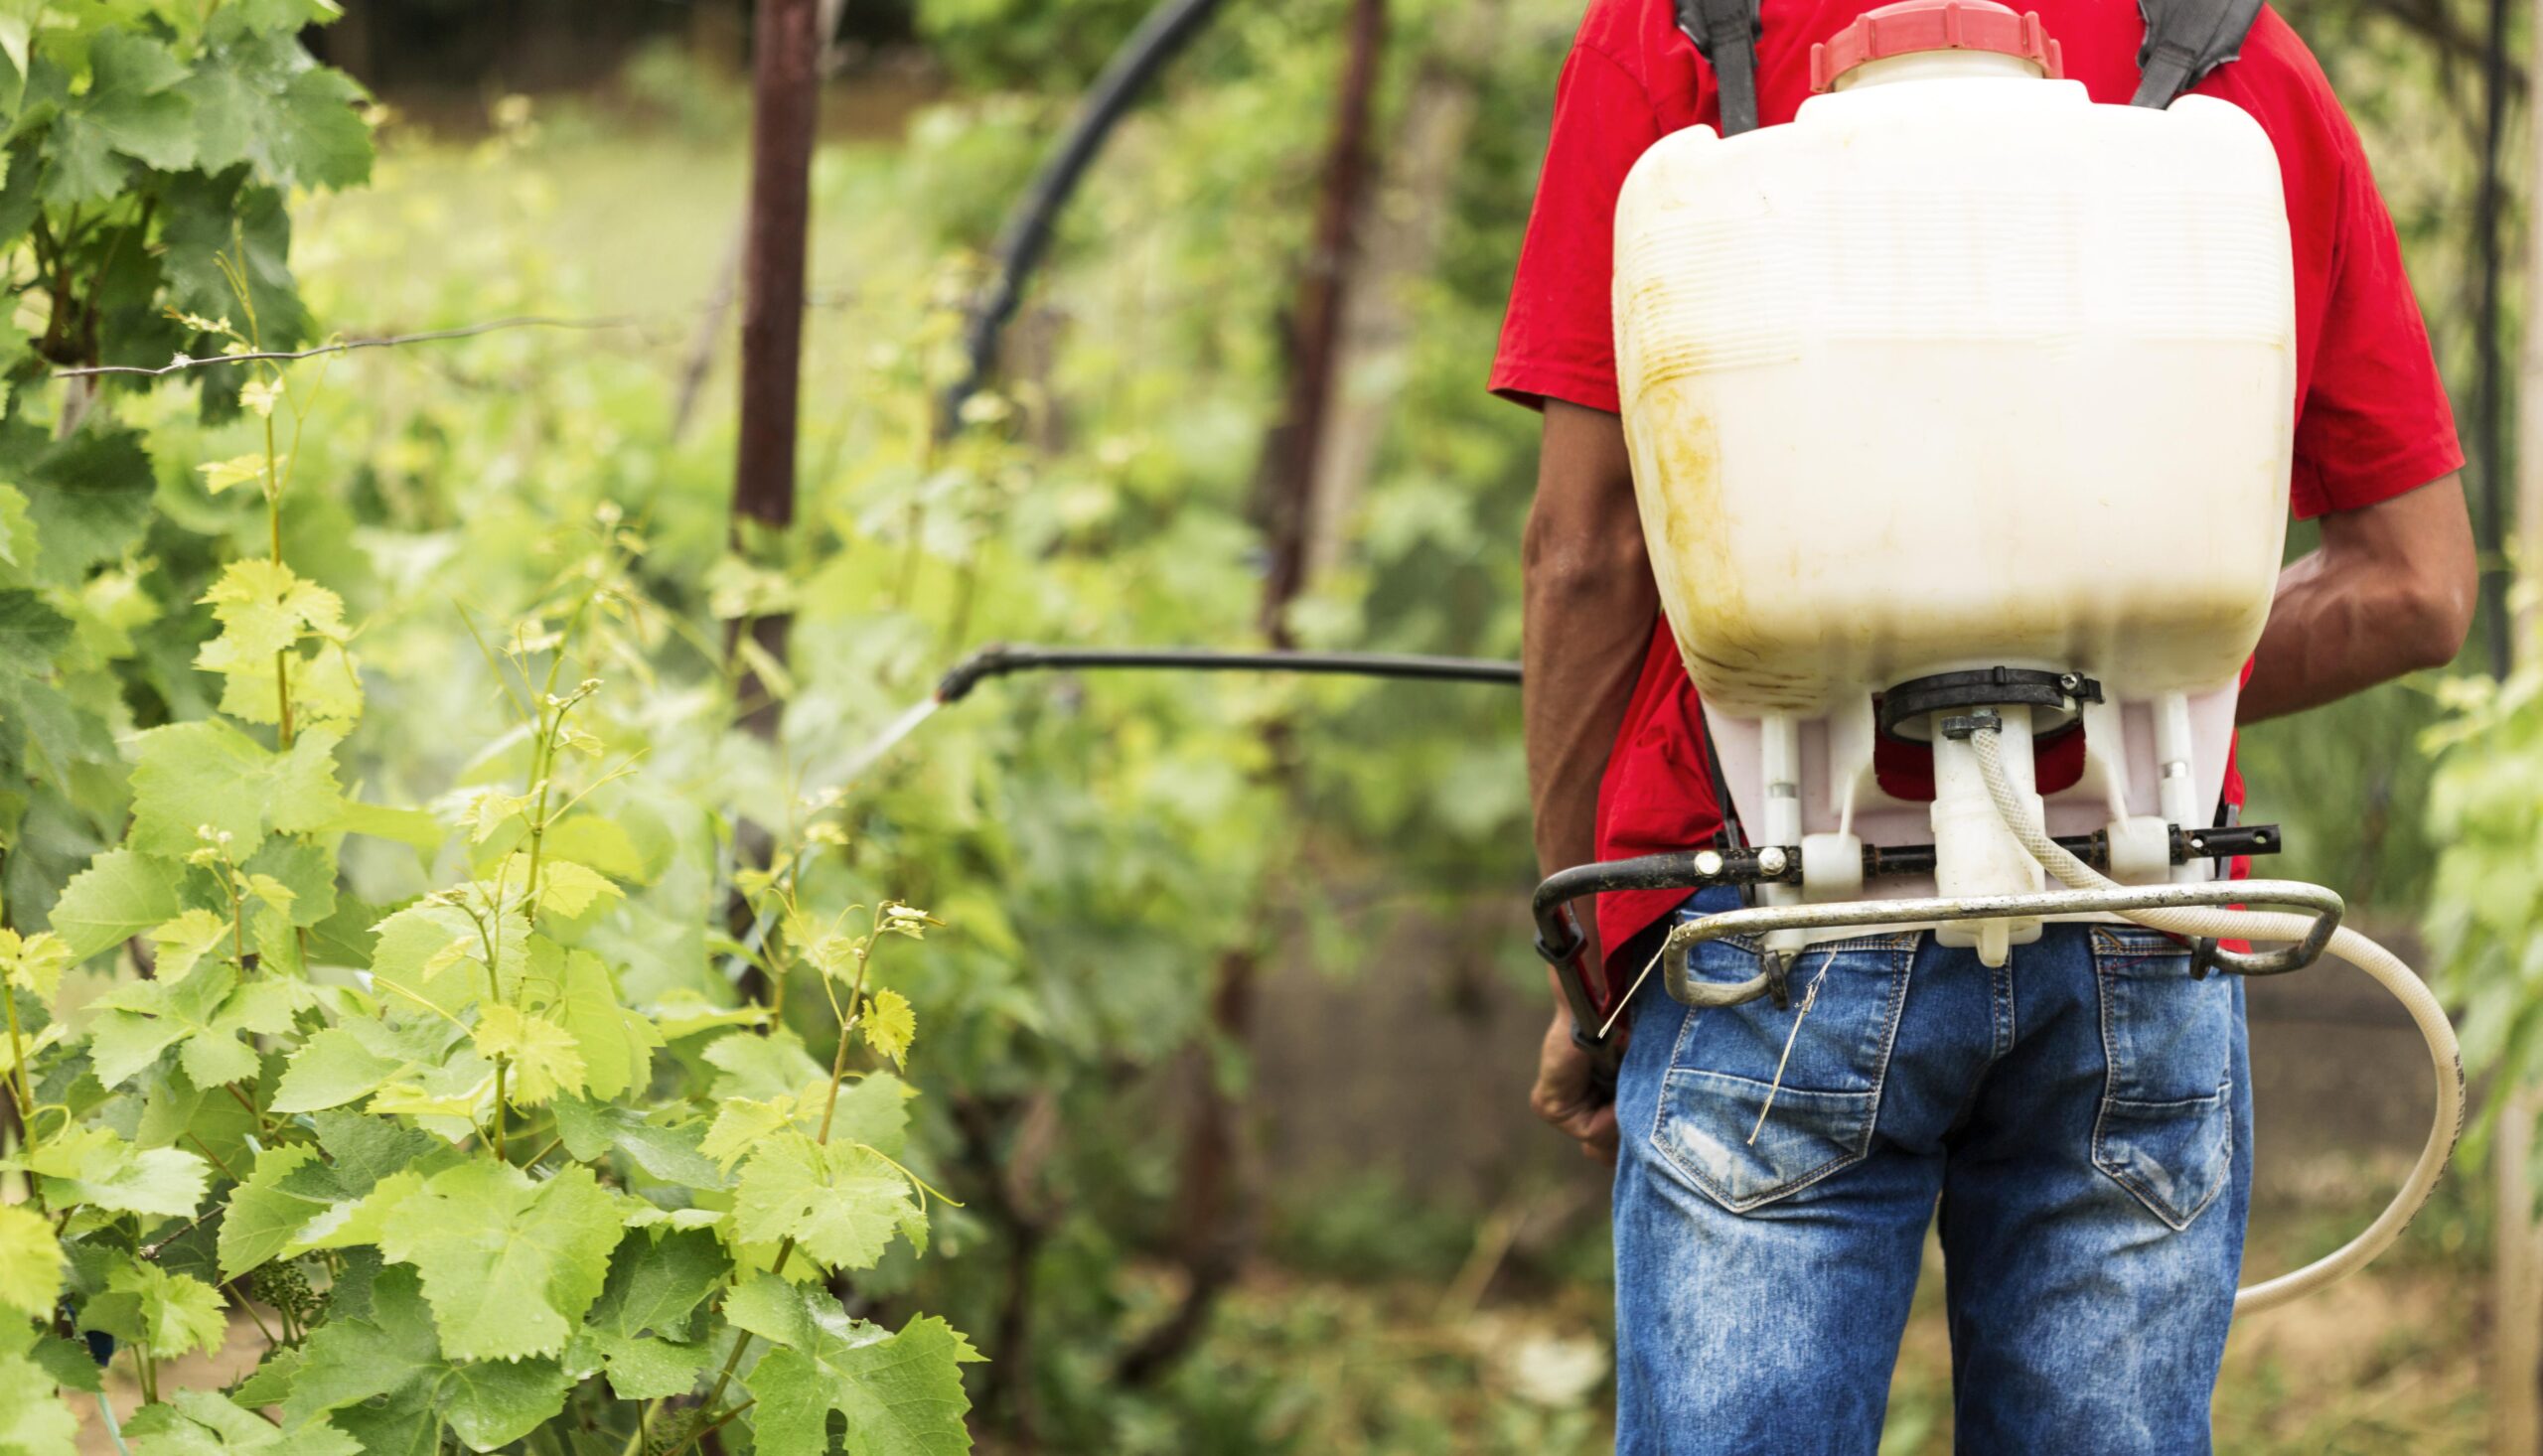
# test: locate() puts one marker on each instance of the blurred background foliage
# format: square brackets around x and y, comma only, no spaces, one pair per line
[1110,848]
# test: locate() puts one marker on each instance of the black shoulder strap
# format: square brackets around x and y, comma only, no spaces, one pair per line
[2184,41]
[1725,34]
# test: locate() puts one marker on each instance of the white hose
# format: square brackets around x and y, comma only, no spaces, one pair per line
[2244,925]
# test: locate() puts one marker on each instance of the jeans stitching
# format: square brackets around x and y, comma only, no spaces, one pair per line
[2146,945]
[1686,1029]
[2000,1010]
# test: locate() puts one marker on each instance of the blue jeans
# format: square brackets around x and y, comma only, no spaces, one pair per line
[2081,1118]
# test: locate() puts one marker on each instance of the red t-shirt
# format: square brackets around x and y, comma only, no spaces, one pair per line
[2372,420]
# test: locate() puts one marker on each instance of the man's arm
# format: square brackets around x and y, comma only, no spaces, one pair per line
[1589,606]
[2389,591]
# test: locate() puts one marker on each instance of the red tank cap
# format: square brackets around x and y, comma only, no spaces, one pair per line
[1910,26]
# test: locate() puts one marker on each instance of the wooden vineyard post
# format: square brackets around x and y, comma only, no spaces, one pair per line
[785,95]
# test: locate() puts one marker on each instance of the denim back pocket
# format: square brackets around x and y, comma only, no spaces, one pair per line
[2165,1131]
[1721,1086]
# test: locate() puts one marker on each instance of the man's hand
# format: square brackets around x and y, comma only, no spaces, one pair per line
[1567,1097]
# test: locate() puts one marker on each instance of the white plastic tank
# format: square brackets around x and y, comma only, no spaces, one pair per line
[1958,370]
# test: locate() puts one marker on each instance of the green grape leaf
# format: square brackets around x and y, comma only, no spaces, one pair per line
[901,1395]
[34,963]
[79,163]
[657,1283]
[600,843]
[265,609]
[508,1265]
[325,690]
[434,950]
[296,877]
[616,1044]
[364,1150]
[570,890]
[200,1423]
[358,1220]
[242,470]
[32,635]
[180,942]
[392,1386]
[643,1329]
[333,1067]
[683,1012]
[118,895]
[32,1421]
[344,940]
[203,1016]
[889,1025]
[92,1165]
[69,1363]
[258,99]
[742,1125]
[280,1196]
[133,107]
[178,1312]
[488,811]
[451,1098]
[30,1262]
[647,1367]
[762,1067]
[319,140]
[669,1153]
[189,776]
[841,1204]
[88,497]
[271,1382]
[418,941]
[373,1353]
[231,218]
[409,826]
[539,1056]
[874,1111]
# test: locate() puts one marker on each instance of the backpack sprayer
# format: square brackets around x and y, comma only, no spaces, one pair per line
[1946,427]
[1946,430]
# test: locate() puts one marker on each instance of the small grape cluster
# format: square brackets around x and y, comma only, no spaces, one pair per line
[285,1287]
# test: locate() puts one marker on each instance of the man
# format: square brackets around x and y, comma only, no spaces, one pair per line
[1760,1301]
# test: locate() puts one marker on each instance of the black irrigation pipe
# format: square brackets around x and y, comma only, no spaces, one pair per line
[1027,233]
[1000,659]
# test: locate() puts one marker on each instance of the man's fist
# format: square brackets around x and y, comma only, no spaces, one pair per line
[1567,1094]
